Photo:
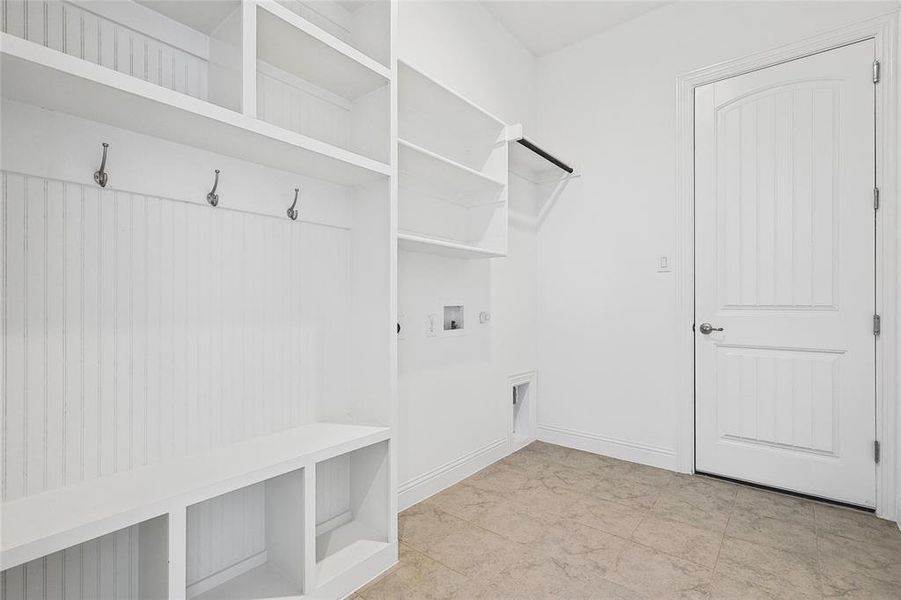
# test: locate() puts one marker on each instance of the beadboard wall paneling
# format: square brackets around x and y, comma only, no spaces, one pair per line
[76,31]
[332,488]
[117,566]
[139,329]
[225,530]
[292,103]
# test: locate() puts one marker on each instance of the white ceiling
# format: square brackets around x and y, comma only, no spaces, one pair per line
[543,26]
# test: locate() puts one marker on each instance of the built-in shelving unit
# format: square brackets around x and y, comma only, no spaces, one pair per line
[39,525]
[201,100]
[307,492]
[452,162]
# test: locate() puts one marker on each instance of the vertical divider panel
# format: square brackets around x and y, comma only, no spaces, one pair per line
[286,525]
[249,59]
[178,550]
[153,540]
[309,528]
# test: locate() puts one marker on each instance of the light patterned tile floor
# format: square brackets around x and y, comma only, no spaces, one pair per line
[550,522]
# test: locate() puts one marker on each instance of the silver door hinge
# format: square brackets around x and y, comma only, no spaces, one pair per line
[875,198]
[875,71]
[876,451]
[877,324]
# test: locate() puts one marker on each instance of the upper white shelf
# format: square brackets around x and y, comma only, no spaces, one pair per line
[423,95]
[45,523]
[291,43]
[445,178]
[433,116]
[42,76]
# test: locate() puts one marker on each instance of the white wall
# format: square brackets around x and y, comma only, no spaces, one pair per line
[607,318]
[452,390]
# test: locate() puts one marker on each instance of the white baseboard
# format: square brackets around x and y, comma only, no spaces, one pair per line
[428,484]
[654,456]
[217,579]
[898,512]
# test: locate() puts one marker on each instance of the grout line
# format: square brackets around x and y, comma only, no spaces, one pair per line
[816,529]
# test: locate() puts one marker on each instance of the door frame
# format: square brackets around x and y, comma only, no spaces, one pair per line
[884,30]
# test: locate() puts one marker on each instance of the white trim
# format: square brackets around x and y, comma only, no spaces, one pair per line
[520,441]
[227,574]
[430,483]
[884,30]
[646,454]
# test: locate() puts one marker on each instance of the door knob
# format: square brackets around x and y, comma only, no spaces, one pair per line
[707,328]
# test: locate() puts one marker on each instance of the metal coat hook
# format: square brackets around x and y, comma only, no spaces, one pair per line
[101,176]
[213,197]
[293,212]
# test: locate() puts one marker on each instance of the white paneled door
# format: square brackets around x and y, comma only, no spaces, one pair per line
[784,275]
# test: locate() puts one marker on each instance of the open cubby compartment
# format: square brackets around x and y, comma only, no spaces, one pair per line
[306,85]
[353,508]
[423,214]
[433,117]
[132,562]
[248,543]
[191,46]
[363,24]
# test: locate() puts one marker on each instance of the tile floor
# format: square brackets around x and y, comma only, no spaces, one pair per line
[550,522]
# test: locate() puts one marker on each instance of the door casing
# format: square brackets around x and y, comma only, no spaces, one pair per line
[884,31]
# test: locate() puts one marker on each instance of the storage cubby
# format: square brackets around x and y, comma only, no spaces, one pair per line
[248,543]
[129,563]
[452,160]
[307,85]
[352,499]
[192,47]
[362,24]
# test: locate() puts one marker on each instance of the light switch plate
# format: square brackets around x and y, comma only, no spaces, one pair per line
[663,264]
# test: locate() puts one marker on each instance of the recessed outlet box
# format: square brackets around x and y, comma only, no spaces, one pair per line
[453,317]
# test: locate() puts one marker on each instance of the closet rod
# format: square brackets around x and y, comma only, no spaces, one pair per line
[545,155]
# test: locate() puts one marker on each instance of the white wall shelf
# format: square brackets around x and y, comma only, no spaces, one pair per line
[413,242]
[361,24]
[446,179]
[328,62]
[35,75]
[452,163]
[434,116]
